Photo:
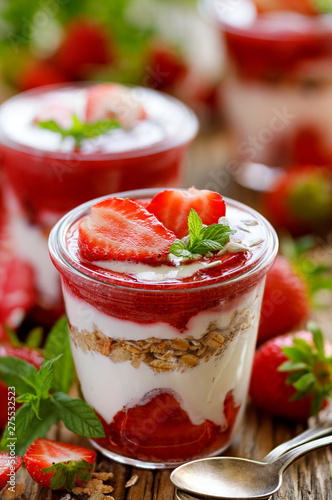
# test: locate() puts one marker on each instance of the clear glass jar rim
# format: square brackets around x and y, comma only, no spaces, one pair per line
[59,252]
[261,27]
[182,136]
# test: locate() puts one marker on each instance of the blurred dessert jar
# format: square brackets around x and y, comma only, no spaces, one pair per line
[278,89]
[63,145]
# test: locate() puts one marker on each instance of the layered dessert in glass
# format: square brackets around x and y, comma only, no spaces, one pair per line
[163,293]
[63,145]
[278,88]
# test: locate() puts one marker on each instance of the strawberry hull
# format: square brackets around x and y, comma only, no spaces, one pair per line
[163,353]
[278,90]
[46,176]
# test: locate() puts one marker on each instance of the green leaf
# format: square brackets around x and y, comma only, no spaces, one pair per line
[80,130]
[58,480]
[295,376]
[84,474]
[58,343]
[28,427]
[45,377]
[318,337]
[194,225]
[33,400]
[305,383]
[179,249]
[14,340]
[78,416]
[18,373]
[295,354]
[290,366]
[35,338]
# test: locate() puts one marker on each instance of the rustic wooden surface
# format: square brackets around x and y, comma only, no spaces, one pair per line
[308,479]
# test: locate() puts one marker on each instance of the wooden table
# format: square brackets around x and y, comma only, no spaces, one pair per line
[308,479]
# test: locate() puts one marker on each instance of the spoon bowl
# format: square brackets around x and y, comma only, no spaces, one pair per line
[237,478]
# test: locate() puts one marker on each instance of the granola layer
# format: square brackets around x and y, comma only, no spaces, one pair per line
[179,354]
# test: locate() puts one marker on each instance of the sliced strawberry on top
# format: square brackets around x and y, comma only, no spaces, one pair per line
[113,101]
[57,112]
[172,208]
[68,462]
[8,463]
[122,229]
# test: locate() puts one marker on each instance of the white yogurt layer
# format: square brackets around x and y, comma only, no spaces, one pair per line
[30,244]
[269,113]
[86,317]
[109,387]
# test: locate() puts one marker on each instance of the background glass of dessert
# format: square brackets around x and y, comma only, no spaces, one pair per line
[164,354]
[46,175]
[277,91]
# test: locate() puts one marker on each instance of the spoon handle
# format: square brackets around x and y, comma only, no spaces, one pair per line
[315,432]
[289,457]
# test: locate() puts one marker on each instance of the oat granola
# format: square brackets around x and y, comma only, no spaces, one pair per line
[163,355]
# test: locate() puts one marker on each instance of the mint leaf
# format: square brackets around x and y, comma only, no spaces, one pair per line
[78,416]
[202,240]
[44,379]
[57,343]
[35,338]
[317,336]
[80,130]
[18,373]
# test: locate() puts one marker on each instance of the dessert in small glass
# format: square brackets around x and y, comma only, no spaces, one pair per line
[278,88]
[63,145]
[163,323]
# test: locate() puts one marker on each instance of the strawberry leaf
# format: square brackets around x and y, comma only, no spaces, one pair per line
[318,337]
[305,383]
[291,366]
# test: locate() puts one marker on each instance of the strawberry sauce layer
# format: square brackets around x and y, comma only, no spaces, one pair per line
[157,429]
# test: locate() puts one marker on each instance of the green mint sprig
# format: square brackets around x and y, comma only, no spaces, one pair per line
[80,130]
[310,369]
[201,239]
[43,394]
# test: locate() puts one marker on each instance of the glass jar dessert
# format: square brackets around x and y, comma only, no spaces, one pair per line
[162,336]
[278,87]
[63,145]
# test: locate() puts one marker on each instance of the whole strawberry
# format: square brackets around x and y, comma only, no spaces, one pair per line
[292,375]
[33,357]
[8,463]
[301,200]
[286,300]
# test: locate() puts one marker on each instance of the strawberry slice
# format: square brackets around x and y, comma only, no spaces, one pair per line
[57,112]
[8,464]
[172,207]
[112,101]
[64,461]
[122,229]
[31,356]
[17,292]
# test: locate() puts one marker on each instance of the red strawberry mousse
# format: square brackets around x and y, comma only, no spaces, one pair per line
[63,145]
[163,329]
[277,93]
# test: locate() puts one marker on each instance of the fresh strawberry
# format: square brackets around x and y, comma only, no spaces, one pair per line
[122,229]
[17,292]
[58,465]
[112,101]
[57,112]
[303,6]
[31,356]
[301,200]
[172,207]
[286,301]
[39,73]
[8,464]
[308,148]
[165,66]
[85,46]
[292,378]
